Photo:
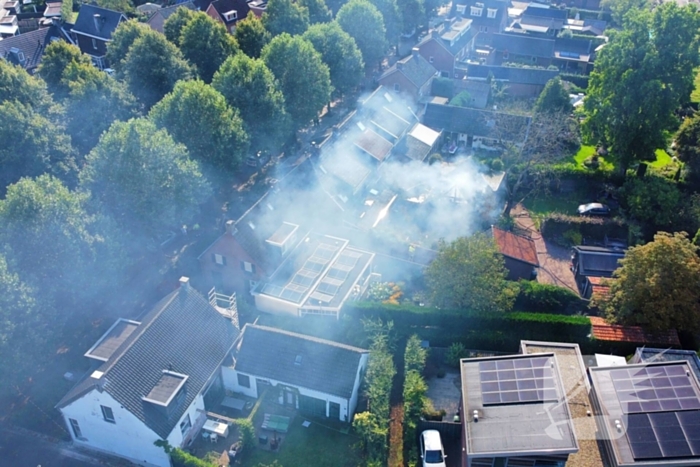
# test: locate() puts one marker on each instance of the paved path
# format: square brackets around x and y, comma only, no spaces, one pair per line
[555,261]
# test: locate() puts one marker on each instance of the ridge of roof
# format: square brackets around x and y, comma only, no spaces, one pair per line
[307,337]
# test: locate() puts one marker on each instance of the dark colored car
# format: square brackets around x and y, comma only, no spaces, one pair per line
[594,209]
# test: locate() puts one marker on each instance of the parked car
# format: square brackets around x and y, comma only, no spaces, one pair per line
[593,209]
[431,451]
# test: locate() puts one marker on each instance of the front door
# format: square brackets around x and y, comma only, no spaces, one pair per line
[334,410]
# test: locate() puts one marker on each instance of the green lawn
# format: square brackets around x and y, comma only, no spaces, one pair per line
[316,445]
[662,159]
[695,95]
[543,203]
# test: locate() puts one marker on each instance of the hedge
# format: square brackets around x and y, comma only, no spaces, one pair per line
[570,230]
[579,80]
[547,298]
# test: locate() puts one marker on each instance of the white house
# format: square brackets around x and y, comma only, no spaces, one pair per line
[151,379]
[318,377]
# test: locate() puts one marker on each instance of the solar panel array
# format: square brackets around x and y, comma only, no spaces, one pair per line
[654,389]
[336,276]
[661,435]
[517,381]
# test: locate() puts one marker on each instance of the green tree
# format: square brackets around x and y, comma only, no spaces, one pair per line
[469,273]
[414,355]
[67,11]
[412,14]
[620,8]
[123,6]
[652,200]
[318,11]
[554,98]
[642,75]
[688,148]
[54,243]
[414,401]
[206,44]
[365,24]
[32,145]
[197,115]
[57,56]
[122,39]
[249,86]
[95,101]
[657,285]
[251,35]
[18,85]
[143,179]
[392,19]
[339,51]
[304,78]
[174,25]
[462,99]
[152,67]
[285,16]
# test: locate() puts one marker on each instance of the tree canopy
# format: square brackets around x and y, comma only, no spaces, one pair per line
[173,26]
[304,78]
[152,67]
[18,85]
[653,200]
[688,148]
[554,98]
[251,35]
[365,24]
[206,44]
[285,16]
[122,39]
[144,179]
[469,273]
[392,19]
[339,51]
[197,115]
[657,285]
[462,99]
[641,76]
[318,11]
[57,56]
[412,14]
[249,86]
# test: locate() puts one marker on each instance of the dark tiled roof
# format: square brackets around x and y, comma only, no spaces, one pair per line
[516,246]
[31,44]
[415,68]
[474,122]
[325,366]
[85,24]
[579,46]
[554,13]
[635,334]
[596,261]
[167,11]
[523,45]
[550,23]
[478,90]
[483,20]
[224,6]
[182,333]
[514,75]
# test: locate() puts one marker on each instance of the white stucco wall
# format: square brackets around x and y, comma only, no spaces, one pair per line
[275,306]
[128,437]
[356,388]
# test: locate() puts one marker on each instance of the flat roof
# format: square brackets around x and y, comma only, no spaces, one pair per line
[166,388]
[335,286]
[346,165]
[373,144]
[424,134]
[282,234]
[112,339]
[521,407]
[649,413]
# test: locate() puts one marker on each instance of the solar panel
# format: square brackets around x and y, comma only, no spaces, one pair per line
[348,258]
[325,251]
[517,381]
[664,434]
[654,389]
[302,280]
[337,274]
[322,297]
[314,266]
[271,289]
[291,295]
[327,288]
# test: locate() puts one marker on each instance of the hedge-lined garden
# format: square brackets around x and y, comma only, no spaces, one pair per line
[571,230]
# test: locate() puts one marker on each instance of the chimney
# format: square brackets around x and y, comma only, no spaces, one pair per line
[231,227]
[184,284]
[98,21]
[415,51]
[399,65]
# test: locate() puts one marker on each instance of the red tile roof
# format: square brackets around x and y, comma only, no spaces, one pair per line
[613,332]
[516,246]
[599,286]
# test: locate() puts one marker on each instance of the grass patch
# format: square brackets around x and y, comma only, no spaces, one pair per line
[542,204]
[695,95]
[316,445]
[662,159]
[588,151]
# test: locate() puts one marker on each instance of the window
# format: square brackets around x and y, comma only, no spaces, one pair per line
[534,59]
[397,88]
[248,267]
[243,380]
[185,425]
[94,44]
[491,12]
[431,59]
[76,428]
[461,9]
[108,414]
[219,259]
[476,11]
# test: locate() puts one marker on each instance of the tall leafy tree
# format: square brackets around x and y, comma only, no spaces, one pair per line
[470,274]
[641,77]
[251,35]
[32,145]
[197,115]
[285,16]
[176,23]
[620,8]
[144,179]
[152,67]
[412,14]
[688,148]
[318,11]
[392,19]
[304,78]
[18,85]
[653,200]
[206,44]
[365,24]
[339,51]
[249,86]
[122,39]
[57,56]
[554,98]
[95,101]
[122,6]
[657,285]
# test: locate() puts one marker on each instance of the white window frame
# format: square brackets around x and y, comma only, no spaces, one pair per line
[108,414]
[461,9]
[491,12]
[476,11]
[219,259]
[185,425]
[248,267]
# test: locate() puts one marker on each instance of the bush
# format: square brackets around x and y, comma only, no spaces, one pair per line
[567,229]
[247,434]
[181,458]
[455,352]
[547,298]
[496,165]
[429,412]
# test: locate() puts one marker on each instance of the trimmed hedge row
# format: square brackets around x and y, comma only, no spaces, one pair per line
[571,228]
[579,80]
[547,298]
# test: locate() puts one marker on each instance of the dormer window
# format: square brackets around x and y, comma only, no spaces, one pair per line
[169,391]
[491,12]
[476,10]
[461,9]
[231,15]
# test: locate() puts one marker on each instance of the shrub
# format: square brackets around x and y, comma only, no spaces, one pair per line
[441,373]
[429,412]
[496,165]
[247,434]
[573,237]
[183,459]
[547,298]
[555,227]
[455,352]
